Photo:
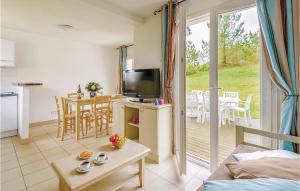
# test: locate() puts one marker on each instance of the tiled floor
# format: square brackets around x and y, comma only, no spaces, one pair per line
[27,167]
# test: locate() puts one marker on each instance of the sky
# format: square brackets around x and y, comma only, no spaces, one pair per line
[200,31]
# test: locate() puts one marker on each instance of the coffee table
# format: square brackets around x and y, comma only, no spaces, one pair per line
[109,176]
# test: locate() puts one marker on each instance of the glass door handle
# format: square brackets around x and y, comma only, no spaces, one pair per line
[215,88]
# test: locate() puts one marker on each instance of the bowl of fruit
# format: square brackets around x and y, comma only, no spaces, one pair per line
[117,141]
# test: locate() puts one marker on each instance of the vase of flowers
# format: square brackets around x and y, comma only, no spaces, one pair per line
[93,88]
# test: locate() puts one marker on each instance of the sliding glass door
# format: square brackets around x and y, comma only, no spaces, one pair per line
[226,82]
[235,75]
[238,76]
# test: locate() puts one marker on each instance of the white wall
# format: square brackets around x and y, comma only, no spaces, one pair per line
[147,44]
[147,36]
[60,64]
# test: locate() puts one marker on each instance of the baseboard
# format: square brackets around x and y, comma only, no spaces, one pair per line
[40,123]
[8,133]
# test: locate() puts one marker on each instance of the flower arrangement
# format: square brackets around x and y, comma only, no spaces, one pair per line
[117,141]
[93,88]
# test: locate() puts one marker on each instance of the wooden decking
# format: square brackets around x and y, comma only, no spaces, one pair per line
[198,138]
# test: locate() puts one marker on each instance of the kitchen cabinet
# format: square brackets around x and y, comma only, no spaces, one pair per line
[7,53]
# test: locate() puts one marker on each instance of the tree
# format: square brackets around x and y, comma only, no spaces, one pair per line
[231,32]
[235,46]
[192,54]
[204,52]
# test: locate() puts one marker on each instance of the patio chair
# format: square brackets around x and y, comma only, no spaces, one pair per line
[229,106]
[191,104]
[206,111]
[244,107]
[200,106]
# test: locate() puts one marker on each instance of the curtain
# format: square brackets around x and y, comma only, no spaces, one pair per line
[169,12]
[279,25]
[121,67]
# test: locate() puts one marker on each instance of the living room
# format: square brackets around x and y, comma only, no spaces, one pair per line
[95,96]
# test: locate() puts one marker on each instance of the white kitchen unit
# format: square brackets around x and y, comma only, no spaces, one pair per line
[152,126]
[7,53]
[9,114]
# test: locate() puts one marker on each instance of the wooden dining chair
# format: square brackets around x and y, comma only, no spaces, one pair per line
[59,115]
[68,118]
[73,95]
[101,112]
[86,115]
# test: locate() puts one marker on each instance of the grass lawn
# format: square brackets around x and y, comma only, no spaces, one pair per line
[243,79]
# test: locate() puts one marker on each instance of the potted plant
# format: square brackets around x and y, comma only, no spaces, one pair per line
[93,88]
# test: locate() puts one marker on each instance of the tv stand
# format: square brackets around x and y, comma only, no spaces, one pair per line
[140,100]
[145,123]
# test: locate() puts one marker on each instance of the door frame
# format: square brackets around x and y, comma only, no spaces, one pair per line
[213,75]
[179,93]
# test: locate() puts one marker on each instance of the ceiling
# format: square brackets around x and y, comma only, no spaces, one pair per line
[104,22]
[140,8]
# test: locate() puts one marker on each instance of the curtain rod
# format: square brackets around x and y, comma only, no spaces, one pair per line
[159,10]
[126,46]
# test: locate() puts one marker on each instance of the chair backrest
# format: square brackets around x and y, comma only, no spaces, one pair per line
[101,102]
[57,108]
[206,101]
[248,102]
[64,107]
[75,95]
[231,94]
[197,91]
[206,93]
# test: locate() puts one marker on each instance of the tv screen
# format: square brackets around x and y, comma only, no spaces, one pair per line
[144,83]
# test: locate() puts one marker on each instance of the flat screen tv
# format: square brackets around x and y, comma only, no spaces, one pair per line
[143,83]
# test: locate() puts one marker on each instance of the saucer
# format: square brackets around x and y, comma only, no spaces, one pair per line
[104,160]
[83,168]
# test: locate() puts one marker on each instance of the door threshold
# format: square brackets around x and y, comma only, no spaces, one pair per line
[198,161]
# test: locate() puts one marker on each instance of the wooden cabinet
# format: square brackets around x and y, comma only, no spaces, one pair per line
[148,130]
[118,122]
[153,130]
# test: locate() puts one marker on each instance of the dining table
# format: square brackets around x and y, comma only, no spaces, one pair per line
[229,99]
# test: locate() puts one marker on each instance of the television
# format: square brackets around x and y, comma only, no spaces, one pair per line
[142,83]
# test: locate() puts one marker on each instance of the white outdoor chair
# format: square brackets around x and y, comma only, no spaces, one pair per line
[229,106]
[205,108]
[206,111]
[245,109]
[231,95]
[191,104]
[200,106]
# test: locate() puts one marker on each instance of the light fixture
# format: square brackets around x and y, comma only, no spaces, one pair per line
[65,27]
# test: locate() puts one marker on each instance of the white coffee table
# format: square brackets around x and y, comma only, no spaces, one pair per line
[109,176]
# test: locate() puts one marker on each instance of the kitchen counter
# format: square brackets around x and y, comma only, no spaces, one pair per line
[24,107]
[28,84]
